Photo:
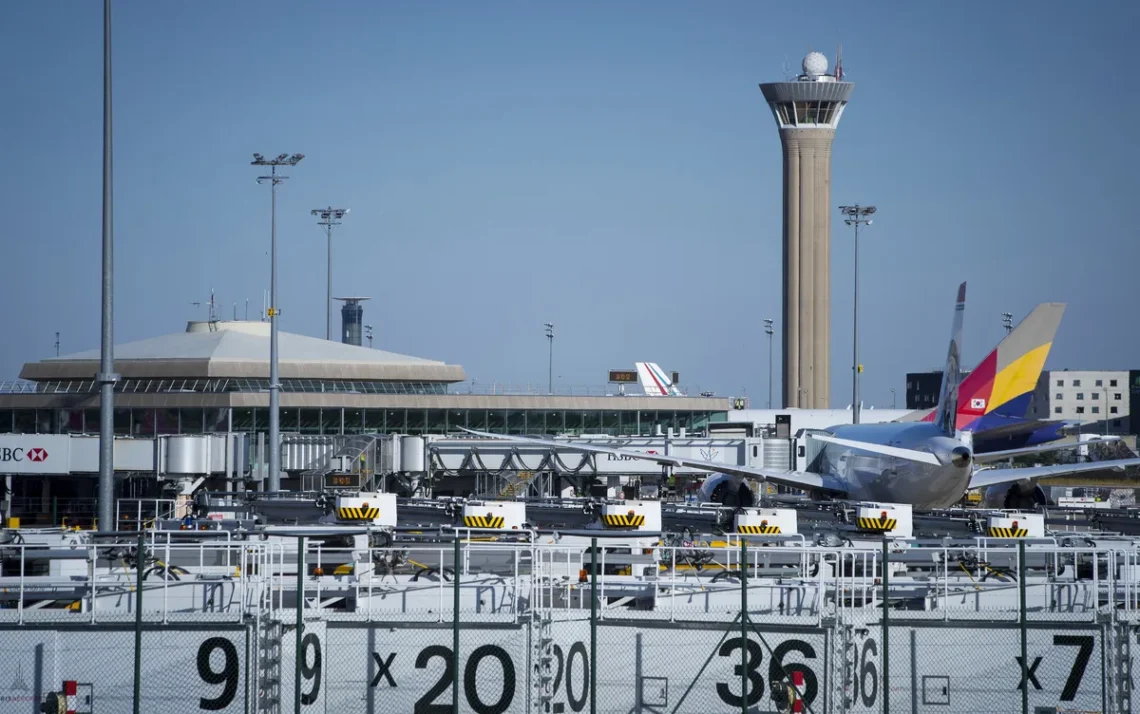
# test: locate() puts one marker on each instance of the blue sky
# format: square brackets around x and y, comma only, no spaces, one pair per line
[609,167]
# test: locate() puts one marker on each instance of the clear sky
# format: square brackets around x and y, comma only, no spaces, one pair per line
[610,167]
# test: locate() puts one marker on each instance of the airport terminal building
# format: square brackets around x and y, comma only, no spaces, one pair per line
[214,378]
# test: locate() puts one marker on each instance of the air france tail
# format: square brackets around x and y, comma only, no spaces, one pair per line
[946,415]
[654,381]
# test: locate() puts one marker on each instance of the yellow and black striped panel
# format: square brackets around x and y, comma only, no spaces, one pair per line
[759,530]
[878,524]
[623,520]
[483,521]
[357,514]
[996,532]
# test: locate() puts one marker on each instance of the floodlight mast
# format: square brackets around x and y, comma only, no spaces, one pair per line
[330,217]
[274,386]
[856,215]
[107,376]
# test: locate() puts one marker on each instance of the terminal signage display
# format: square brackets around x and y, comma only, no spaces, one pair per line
[623,376]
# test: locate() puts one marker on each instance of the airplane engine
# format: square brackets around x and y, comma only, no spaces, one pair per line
[1019,496]
[727,490]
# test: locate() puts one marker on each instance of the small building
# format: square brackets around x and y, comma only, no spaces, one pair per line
[1101,401]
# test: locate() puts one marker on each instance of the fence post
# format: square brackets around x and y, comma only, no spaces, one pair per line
[139,561]
[1025,655]
[300,658]
[594,626]
[455,629]
[743,626]
[886,636]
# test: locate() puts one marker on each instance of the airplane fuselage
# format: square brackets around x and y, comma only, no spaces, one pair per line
[878,477]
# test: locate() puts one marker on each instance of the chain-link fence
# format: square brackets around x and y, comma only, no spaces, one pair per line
[500,628]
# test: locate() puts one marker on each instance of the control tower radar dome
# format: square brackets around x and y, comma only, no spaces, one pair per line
[815,64]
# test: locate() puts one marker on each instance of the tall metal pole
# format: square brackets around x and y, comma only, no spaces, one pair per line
[329,217]
[856,215]
[855,338]
[1007,322]
[139,566]
[299,660]
[769,331]
[328,286]
[550,356]
[107,376]
[274,386]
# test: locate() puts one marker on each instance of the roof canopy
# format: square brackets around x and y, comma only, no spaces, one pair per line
[241,349]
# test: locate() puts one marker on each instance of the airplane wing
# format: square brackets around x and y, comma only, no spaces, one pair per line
[991,456]
[796,479]
[984,478]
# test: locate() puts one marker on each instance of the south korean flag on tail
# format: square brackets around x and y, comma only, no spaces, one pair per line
[977,403]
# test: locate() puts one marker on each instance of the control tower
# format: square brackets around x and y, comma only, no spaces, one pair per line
[807,111]
[351,318]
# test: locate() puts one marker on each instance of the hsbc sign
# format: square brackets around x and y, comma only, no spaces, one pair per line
[34,454]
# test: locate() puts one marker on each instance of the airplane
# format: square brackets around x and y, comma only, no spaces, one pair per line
[924,464]
[654,381]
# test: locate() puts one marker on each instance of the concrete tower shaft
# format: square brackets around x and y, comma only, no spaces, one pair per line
[807,112]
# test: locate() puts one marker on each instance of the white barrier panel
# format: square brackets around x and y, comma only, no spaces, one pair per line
[695,670]
[976,669]
[183,670]
[356,667]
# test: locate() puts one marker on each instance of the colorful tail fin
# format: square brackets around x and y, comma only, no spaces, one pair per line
[997,392]
[945,414]
[654,381]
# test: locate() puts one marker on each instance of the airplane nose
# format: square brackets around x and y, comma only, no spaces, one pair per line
[960,456]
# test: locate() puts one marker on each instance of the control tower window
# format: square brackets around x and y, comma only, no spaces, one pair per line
[814,112]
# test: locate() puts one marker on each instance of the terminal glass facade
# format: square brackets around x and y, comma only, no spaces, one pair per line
[350,420]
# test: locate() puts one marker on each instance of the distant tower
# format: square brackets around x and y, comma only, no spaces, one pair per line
[352,319]
[807,111]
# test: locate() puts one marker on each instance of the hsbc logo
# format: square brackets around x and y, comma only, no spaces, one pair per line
[35,454]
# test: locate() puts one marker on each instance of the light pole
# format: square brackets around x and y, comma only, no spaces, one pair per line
[768,331]
[856,216]
[106,376]
[892,397]
[1007,322]
[274,387]
[550,356]
[329,217]
[368,334]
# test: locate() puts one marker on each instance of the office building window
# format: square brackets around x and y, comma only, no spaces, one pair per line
[1096,410]
[1060,382]
[1116,422]
[1113,410]
[1059,396]
[1080,410]
[1076,382]
[1056,410]
[1100,383]
[1080,396]
[1094,395]
[1116,396]
[1112,382]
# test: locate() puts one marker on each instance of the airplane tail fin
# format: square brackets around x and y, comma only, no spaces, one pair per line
[945,415]
[654,381]
[998,391]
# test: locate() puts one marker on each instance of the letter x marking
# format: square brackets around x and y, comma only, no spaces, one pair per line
[1031,673]
[382,669]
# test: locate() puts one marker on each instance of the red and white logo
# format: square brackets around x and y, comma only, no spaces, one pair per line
[37,454]
[977,403]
